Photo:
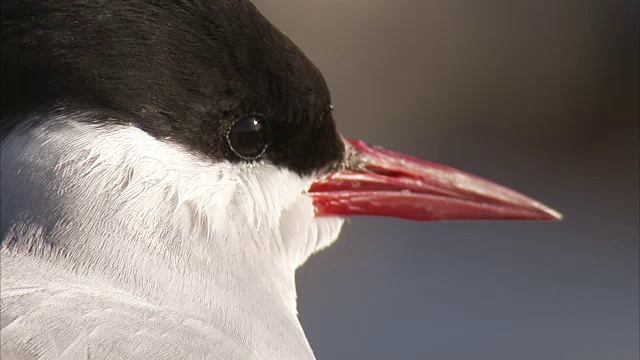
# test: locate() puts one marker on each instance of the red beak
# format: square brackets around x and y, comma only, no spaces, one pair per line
[388,183]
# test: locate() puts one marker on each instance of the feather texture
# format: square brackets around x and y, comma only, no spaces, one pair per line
[118,244]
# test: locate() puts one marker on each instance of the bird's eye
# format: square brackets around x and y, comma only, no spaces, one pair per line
[249,136]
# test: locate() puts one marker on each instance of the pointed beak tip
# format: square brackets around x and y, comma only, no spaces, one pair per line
[549,214]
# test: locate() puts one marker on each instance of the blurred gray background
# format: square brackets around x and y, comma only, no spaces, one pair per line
[541,96]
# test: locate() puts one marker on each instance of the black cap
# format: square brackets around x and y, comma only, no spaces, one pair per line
[183,71]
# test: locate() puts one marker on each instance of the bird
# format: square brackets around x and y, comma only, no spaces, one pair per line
[166,166]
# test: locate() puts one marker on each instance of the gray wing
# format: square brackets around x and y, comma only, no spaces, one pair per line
[46,314]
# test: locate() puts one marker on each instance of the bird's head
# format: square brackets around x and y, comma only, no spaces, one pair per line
[222,114]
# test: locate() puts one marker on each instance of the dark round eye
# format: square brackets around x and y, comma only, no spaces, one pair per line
[249,136]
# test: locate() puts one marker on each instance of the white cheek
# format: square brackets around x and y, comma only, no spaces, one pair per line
[156,195]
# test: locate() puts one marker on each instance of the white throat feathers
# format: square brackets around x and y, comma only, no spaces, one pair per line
[172,228]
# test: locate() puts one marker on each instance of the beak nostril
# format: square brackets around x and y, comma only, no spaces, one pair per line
[384,172]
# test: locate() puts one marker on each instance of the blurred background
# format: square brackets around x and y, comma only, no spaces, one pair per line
[540,96]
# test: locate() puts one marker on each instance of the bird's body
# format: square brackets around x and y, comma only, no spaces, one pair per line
[166,167]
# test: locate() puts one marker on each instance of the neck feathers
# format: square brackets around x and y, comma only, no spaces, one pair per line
[155,220]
